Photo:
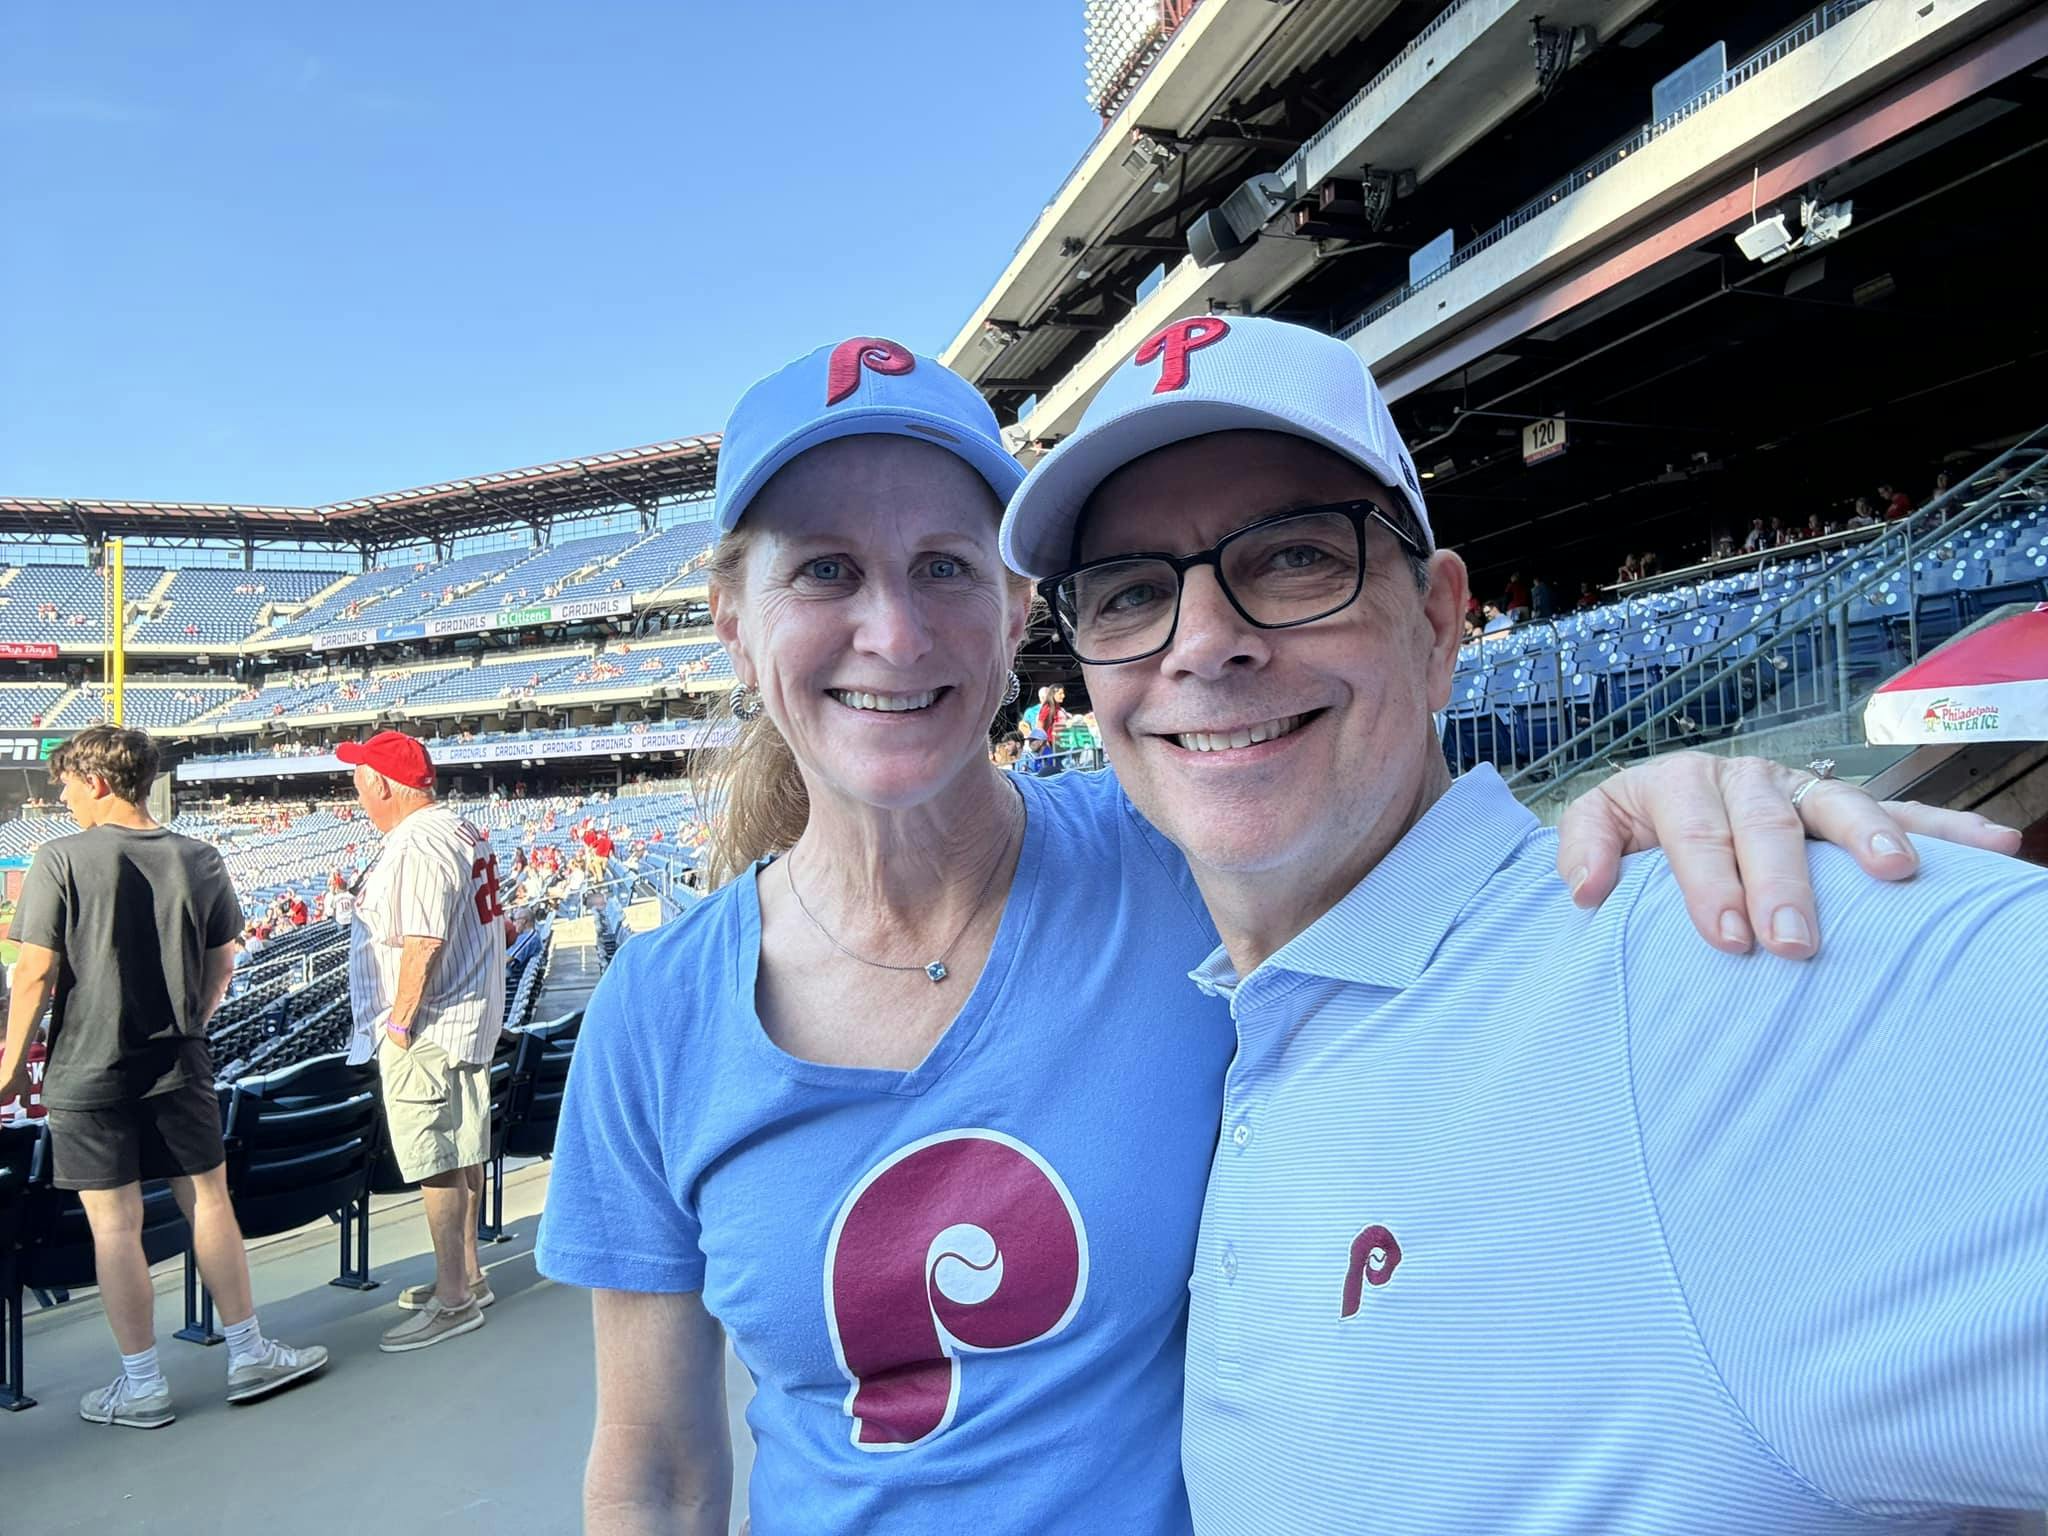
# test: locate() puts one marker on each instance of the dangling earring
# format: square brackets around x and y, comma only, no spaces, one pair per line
[745,702]
[1015,691]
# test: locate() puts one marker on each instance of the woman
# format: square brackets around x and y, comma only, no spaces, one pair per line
[918,1108]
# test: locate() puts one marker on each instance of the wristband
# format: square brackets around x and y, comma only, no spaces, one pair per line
[397,1029]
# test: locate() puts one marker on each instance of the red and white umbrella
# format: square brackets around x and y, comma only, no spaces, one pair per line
[1990,683]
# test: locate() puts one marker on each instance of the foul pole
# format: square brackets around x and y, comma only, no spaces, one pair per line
[117,650]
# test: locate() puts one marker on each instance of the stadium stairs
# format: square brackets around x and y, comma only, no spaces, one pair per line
[1785,676]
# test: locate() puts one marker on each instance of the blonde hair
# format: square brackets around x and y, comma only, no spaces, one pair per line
[760,804]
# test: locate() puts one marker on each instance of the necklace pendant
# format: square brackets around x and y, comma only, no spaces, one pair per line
[936,970]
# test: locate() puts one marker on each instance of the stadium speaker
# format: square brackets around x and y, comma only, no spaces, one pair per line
[1228,230]
[1211,241]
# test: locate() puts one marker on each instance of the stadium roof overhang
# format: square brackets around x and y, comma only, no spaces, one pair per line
[1698,385]
[678,470]
[1239,87]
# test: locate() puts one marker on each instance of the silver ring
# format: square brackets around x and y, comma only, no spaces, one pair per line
[1804,790]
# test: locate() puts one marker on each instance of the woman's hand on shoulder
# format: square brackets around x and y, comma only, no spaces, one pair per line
[1736,843]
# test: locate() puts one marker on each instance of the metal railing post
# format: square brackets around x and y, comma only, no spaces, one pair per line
[1842,657]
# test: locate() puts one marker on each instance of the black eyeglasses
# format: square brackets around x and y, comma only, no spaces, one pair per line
[1293,568]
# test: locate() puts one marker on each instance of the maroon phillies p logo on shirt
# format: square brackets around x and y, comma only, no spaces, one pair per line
[1374,1253]
[1170,349]
[963,1242]
[842,373]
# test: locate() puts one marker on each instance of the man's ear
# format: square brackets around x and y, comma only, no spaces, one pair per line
[1443,605]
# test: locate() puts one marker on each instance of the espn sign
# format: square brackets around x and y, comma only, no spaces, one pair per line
[19,750]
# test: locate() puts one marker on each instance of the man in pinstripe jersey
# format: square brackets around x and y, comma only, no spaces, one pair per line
[427,985]
[1524,1217]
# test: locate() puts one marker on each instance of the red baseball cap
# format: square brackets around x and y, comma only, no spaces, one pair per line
[395,755]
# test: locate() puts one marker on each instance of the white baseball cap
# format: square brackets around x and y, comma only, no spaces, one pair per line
[1209,374]
[862,385]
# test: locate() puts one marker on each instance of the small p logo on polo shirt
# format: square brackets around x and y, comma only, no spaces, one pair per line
[1374,1254]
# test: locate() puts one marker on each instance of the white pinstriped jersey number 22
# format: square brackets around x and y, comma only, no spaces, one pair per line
[490,907]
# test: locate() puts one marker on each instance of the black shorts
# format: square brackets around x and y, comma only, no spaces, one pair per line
[168,1135]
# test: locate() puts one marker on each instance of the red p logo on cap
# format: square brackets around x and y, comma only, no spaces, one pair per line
[842,374]
[1174,344]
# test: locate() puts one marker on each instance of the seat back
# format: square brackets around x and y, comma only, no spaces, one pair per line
[56,1241]
[299,1142]
[504,1079]
[17,1157]
[541,1069]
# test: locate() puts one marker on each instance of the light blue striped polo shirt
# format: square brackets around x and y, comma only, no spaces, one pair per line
[1531,1219]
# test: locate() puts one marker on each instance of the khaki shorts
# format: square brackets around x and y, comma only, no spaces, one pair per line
[438,1109]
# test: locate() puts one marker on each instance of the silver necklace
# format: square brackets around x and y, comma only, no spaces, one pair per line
[934,969]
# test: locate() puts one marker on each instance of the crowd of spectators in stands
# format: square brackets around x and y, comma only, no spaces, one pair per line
[1521,600]
[51,614]
[1049,738]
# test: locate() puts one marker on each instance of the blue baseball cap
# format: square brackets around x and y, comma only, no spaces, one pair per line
[862,385]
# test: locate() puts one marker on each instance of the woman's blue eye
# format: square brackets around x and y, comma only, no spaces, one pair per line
[825,570]
[942,566]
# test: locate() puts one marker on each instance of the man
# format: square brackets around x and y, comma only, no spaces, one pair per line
[426,976]
[1897,503]
[527,942]
[133,929]
[1678,1241]
[599,907]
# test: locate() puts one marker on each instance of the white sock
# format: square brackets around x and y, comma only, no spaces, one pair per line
[142,1370]
[245,1341]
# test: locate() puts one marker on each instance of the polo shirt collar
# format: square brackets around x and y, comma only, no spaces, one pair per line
[1386,928]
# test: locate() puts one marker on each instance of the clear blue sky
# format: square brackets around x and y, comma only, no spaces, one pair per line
[282,253]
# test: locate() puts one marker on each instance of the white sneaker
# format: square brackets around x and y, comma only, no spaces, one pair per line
[278,1366]
[120,1403]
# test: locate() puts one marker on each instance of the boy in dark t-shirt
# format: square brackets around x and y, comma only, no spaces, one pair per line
[133,928]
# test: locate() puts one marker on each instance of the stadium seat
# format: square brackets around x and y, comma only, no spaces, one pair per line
[52,1248]
[17,1160]
[298,1145]
[540,1074]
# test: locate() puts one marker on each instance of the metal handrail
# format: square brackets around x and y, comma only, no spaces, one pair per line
[1408,51]
[1812,27]
[1978,509]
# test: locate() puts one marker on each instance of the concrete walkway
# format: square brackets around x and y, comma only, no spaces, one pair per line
[484,1434]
